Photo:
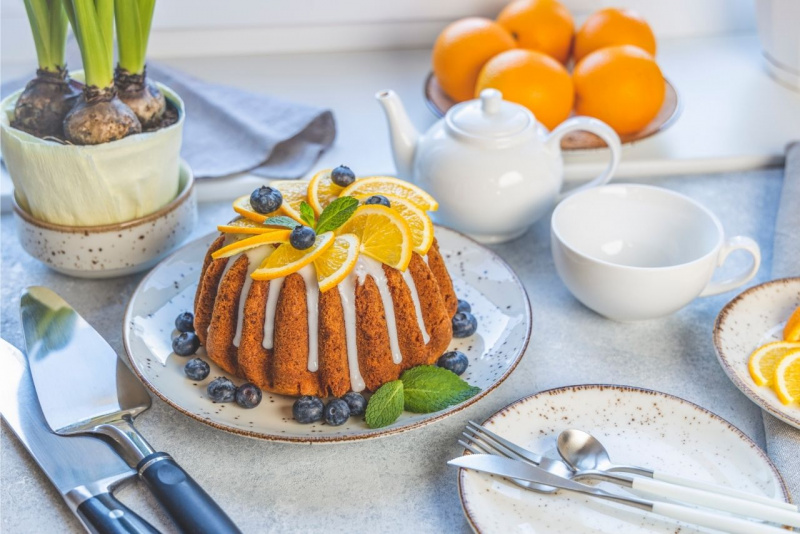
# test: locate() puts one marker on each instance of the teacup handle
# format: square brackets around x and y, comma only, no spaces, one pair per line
[600,129]
[735,243]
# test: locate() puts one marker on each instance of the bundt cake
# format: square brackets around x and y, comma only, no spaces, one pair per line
[279,324]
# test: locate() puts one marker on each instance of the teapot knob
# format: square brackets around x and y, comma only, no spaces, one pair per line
[491,100]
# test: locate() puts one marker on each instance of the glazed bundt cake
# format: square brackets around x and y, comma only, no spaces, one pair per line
[374,299]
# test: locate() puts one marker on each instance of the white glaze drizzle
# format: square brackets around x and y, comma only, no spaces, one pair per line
[309,275]
[409,280]
[367,266]
[347,294]
[269,315]
[255,257]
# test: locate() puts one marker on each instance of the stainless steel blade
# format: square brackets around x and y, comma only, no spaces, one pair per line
[80,381]
[69,462]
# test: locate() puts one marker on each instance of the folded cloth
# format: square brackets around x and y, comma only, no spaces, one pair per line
[228,130]
[783,441]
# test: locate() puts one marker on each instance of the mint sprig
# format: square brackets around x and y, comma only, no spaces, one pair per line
[336,214]
[385,405]
[307,214]
[282,221]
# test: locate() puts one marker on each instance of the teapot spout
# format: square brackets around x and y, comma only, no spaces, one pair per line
[403,134]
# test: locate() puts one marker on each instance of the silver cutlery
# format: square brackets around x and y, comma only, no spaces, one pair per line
[516,469]
[583,452]
[84,388]
[85,471]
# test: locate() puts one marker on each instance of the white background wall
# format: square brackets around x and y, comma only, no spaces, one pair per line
[184,28]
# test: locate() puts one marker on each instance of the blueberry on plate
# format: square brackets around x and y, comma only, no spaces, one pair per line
[378,199]
[464,324]
[307,409]
[197,369]
[463,306]
[455,361]
[184,322]
[342,176]
[302,237]
[266,199]
[185,344]
[221,390]
[248,395]
[337,412]
[356,402]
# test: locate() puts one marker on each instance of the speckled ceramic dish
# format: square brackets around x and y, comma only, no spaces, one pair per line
[480,277]
[755,317]
[114,249]
[637,426]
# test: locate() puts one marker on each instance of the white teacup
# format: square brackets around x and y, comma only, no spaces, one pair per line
[634,252]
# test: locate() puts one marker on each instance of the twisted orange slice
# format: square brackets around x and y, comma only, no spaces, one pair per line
[244,226]
[389,185]
[384,234]
[271,238]
[337,262]
[286,259]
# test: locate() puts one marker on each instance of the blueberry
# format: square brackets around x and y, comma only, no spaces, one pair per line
[302,237]
[455,361]
[185,322]
[463,306]
[266,199]
[307,409]
[337,412]
[197,369]
[356,402]
[185,344]
[248,395]
[378,199]
[343,176]
[221,390]
[464,324]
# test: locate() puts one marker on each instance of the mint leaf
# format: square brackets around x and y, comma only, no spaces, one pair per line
[336,214]
[307,214]
[428,388]
[385,405]
[281,220]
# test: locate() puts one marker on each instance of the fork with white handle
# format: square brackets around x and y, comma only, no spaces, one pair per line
[698,497]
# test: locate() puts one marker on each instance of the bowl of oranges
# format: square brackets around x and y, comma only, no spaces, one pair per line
[534,55]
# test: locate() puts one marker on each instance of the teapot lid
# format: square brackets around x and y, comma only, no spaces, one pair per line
[490,116]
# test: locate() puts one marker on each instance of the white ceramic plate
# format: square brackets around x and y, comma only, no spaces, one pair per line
[638,427]
[482,278]
[755,317]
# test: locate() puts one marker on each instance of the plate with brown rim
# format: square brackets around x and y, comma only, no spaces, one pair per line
[439,103]
[480,277]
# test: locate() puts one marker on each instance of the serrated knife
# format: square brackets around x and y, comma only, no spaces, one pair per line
[84,388]
[85,471]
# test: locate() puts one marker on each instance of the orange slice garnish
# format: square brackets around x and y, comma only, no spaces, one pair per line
[337,262]
[243,207]
[294,193]
[384,235]
[272,238]
[322,191]
[389,185]
[286,259]
[244,226]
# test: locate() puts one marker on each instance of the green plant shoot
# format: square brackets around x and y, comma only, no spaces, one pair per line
[93,24]
[49,27]
[133,18]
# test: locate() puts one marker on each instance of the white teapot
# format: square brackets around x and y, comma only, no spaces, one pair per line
[491,166]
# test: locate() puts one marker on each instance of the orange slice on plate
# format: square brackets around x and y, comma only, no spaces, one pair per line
[322,191]
[244,226]
[787,378]
[286,259]
[791,332]
[294,193]
[271,238]
[337,262]
[765,359]
[384,234]
[389,185]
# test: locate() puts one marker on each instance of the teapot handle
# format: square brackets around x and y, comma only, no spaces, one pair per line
[597,127]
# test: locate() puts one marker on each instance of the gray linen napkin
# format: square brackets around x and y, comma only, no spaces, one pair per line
[228,130]
[783,441]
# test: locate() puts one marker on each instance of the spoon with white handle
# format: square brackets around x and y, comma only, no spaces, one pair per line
[583,452]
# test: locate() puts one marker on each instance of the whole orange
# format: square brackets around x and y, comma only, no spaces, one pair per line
[620,85]
[543,25]
[611,27]
[532,79]
[462,49]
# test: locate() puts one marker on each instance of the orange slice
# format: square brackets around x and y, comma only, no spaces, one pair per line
[389,185]
[765,359]
[791,332]
[384,234]
[322,191]
[242,206]
[244,226]
[787,378]
[294,192]
[337,262]
[271,238]
[286,259]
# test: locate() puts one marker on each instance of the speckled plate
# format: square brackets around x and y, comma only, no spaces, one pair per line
[637,426]
[481,277]
[755,317]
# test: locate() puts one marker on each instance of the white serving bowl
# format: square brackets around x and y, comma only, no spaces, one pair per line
[115,249]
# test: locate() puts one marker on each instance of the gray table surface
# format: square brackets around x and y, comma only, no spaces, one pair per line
[401,483]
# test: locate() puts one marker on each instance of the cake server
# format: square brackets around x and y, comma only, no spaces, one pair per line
[85,471]
[516,469]
[84,388]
